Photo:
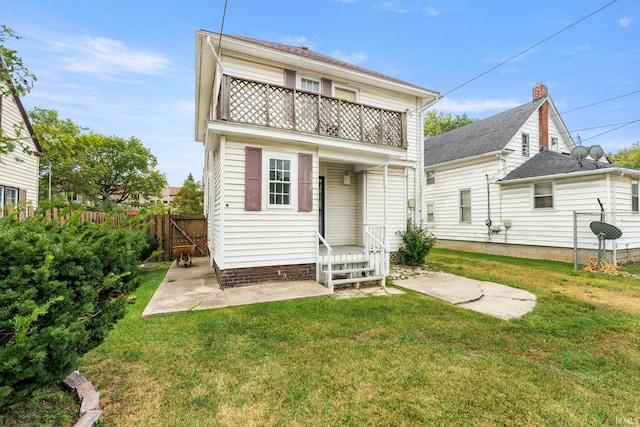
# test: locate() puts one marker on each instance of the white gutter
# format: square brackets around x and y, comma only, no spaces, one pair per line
[466,159]
[572,174]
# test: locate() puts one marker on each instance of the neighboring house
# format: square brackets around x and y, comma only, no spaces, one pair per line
[307,158]
[509,185]
[19,169]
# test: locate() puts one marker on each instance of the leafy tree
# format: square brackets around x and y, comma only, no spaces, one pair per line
[628,157]
[118,170]
[16,79]
[436,123]
[63,156]
[190,199]
[11,67]
[105,172]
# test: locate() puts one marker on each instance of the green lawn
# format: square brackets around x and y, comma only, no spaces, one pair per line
[395,360]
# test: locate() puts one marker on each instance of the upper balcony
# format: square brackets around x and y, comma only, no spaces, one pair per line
[279,107]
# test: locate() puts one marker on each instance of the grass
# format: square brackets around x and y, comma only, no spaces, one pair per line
[397,360]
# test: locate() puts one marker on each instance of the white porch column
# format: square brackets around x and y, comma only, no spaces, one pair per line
[385,172]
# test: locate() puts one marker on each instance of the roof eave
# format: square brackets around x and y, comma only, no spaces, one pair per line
[598,171]
[465,159]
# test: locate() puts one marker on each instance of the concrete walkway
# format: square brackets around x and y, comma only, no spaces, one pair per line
[496,300]
[195,288]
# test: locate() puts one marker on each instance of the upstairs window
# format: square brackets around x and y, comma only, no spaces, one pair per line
[543,195]
[525,145]
[431,177]
[310,85]
[554,143]
[634,195]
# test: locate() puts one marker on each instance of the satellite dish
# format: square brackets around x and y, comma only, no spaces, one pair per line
[604,232]
[596,152]
[579,152]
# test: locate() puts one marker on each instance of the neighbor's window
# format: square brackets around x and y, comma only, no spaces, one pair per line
[465,205]
[430,212]
[634,195]
[431,177]
[8,196]
[554,143]
[525,145]
[310,85]
[543,195]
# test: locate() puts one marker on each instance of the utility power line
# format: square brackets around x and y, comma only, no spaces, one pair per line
[529,48]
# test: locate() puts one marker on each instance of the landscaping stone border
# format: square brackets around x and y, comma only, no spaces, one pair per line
[89,399]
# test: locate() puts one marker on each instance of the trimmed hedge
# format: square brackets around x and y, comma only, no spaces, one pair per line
[62,288]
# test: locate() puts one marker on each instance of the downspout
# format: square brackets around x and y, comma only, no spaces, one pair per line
[613,216]
[488,221]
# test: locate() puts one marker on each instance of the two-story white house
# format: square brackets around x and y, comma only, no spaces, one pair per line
[19,168]
[312,165]
[509,185]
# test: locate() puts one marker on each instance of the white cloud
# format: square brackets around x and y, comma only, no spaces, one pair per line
[352,58]
[449,105]
[432,11]
[107,58]
[624,22]
[295,40]
[393,7]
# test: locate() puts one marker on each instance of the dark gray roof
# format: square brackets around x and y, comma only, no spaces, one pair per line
[481,137]
[305,52]
[547,163]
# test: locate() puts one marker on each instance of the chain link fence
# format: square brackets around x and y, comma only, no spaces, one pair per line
[623,252]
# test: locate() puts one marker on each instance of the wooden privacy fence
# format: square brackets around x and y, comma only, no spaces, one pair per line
[172,230]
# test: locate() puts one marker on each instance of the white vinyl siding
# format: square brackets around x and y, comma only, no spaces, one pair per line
[341,202]
[396,203]
[18,170]
[269,236]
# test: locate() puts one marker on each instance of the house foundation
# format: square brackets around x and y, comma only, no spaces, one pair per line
[236,277]
[524,251]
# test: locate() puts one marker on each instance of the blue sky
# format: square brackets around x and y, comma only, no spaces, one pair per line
[127,68]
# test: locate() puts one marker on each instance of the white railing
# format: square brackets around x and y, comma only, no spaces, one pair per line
[375,245]
[329,275]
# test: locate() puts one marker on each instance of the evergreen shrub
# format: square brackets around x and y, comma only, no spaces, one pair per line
[62,288]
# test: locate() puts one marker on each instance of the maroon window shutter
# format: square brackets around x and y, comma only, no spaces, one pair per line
[253,179]
[305,182]
[325,87]
[290,78]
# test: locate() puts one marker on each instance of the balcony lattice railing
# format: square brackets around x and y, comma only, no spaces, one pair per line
[263,104]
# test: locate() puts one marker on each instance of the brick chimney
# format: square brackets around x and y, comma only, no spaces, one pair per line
[540,91]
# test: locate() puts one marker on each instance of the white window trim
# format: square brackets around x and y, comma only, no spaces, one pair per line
[293,197]
[426,178]
[299,83]
[553,196]
[460,206]
[528,145]
[636,195]
[346,88]
[433,212]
